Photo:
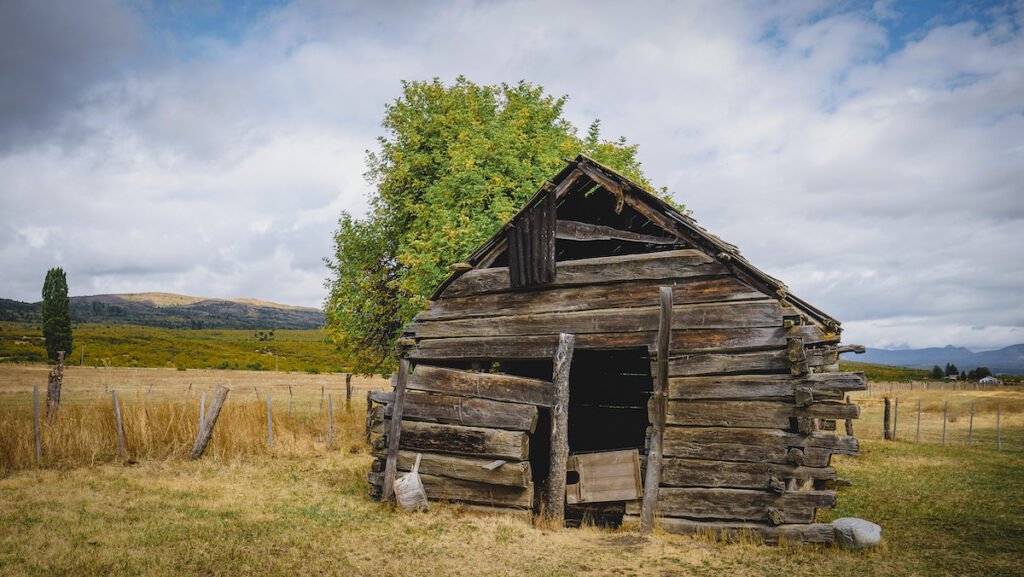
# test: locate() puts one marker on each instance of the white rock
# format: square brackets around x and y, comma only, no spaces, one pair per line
[854,533]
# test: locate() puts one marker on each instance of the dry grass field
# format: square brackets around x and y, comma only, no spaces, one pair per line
[301,507]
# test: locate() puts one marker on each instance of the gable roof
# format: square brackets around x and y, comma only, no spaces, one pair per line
[583,173]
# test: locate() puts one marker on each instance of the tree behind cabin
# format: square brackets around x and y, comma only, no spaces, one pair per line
[56,314]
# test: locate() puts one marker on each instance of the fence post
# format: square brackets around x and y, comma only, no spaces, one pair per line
[202,409]
[895,416]
[330,421]
[945,413]
[917,434]
[270,423]
[970,427]
[348,393]
[39,433]
[210,421]
[886,419]
[120,427]
[999,439]
[257,393]
[321,400]
[291,400]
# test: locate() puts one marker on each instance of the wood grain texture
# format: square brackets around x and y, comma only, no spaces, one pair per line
[776,361]
[725,474]
[512,473]
[448,489]
[739,504]
[757,414]
[755,445]
[459,410]
[494,386]
[466,441]
[817,533]
[765,387]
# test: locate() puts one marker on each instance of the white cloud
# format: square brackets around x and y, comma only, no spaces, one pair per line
[879,176]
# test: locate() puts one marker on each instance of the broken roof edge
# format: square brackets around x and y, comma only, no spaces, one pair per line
[687,228]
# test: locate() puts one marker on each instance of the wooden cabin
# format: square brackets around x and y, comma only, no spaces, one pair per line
[737,434]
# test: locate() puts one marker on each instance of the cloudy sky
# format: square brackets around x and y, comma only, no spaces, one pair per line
[869,155]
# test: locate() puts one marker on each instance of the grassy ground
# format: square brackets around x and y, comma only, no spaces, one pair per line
[138,346]
[301,508]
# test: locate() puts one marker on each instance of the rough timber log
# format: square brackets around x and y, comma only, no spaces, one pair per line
[766,387]
[470,441]
[724,474]
[755,445]
[684,263]
[584,298]
[497,387]
[757,414]
[776,361]
[586,232]
[763,313]
[448,489]
[543,347]
[819,533]
[511,473]
[457,410]
[739,504]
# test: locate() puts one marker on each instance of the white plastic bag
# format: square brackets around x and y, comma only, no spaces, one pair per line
[409,491]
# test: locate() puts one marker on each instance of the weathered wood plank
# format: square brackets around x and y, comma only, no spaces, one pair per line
[469,441]
[512,473]
[494,386]
[458,410]
[659,399]
[758,414]
[725,474]
[740,363]
[780,387]
[755,445]
[541,347]
[395,433]
[585,232]
[739,504]
[554,489]
[763,313]
[660,265]
[449,489]
[608,296]
[817,533]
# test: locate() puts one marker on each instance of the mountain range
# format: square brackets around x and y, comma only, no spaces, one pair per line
[1009,360]
[174,311]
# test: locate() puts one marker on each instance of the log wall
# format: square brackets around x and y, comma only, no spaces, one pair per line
[750,384]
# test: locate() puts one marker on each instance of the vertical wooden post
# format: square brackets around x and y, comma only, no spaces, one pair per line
[210,421]
[394,435]
[945,413]
[917,434]
[970,427]
[54,385]
[999,438]
[554,492]
[270,424]
[321,400]
[202,410]
[849,422]
[330,422]
[291,400]
[120,426]
[39,432]
[348,393]
[895,417]
[887,419]
[649,506]
[255,392]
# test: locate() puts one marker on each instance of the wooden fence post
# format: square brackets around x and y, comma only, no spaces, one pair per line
[887,419]
[210,421]
[652,480]
[202,410]
[917,434]
[38,430]
[895,416]
[330,421]
[54,385]
[120,426]
[291,400]
[270,423]
[395,433]
[321,400]
[999,438]
[348,393]
[945,413]
[257,393]
[970,427]
[554,491]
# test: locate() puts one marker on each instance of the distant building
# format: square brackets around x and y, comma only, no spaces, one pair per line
[989,381]
[952,377]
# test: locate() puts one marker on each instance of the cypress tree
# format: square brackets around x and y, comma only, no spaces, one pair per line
[56,314]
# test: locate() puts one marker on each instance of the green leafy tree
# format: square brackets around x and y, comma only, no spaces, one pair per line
[937,373]
[56,314]
[456,162]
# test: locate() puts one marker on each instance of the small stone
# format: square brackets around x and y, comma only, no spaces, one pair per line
[854,533]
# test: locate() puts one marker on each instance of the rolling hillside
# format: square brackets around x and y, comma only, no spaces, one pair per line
[1009,360]
[169,310]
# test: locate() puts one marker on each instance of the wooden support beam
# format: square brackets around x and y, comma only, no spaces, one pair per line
[584,232]
[459,410]
[220,394]
[659,399]
[394,437]
[494,386]
[554,493]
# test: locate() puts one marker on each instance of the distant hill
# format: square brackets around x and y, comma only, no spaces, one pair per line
[175,311]
[1009,360]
